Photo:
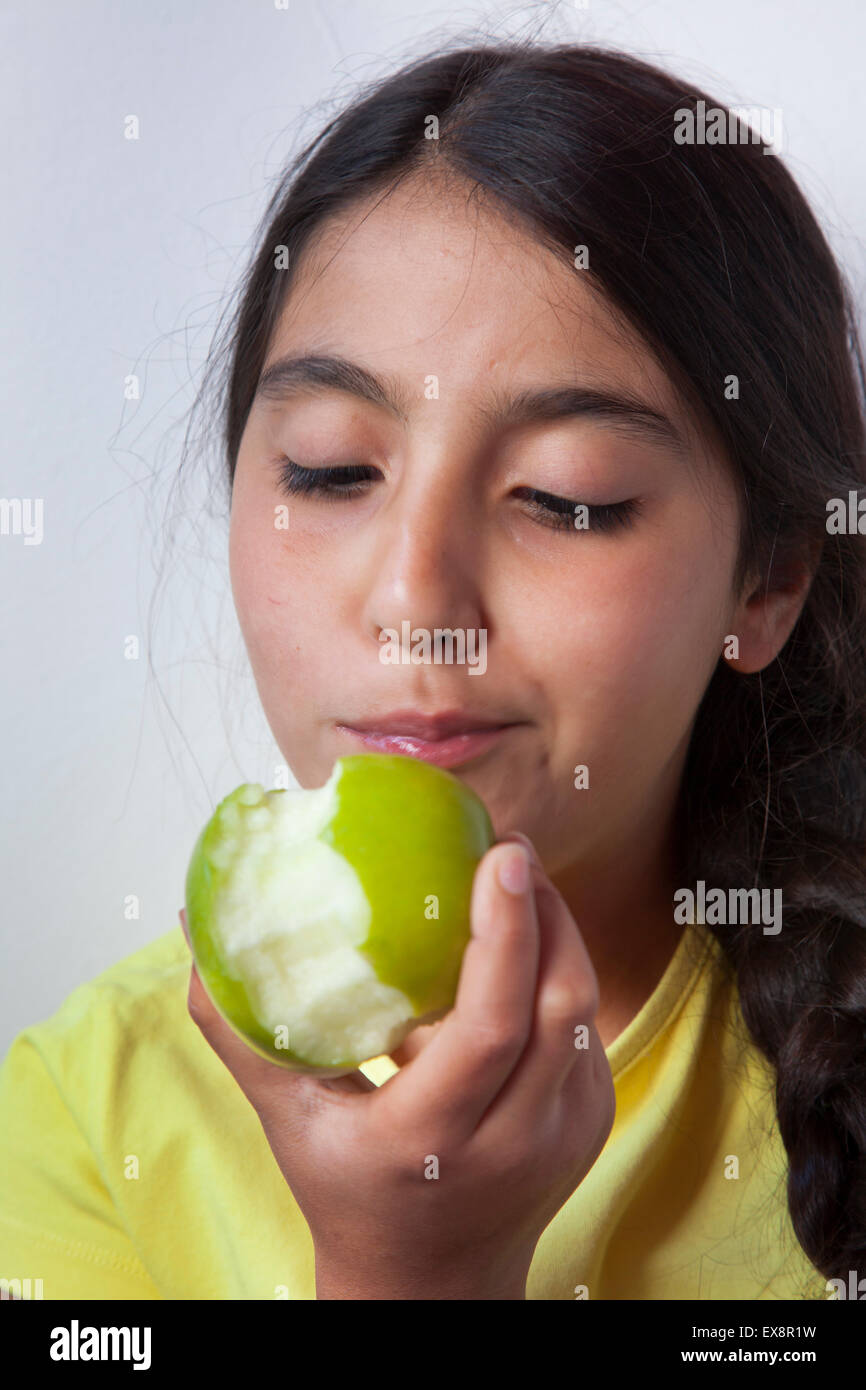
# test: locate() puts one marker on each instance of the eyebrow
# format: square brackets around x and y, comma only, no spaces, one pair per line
[293,376]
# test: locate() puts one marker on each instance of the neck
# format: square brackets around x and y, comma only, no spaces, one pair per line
[624,911]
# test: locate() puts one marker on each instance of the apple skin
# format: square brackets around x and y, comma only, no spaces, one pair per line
[408,830]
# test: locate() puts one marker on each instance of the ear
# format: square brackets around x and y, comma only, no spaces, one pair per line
[763,619]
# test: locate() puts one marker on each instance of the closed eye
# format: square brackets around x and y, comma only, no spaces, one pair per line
[331,482]
[565,515]
[559,513]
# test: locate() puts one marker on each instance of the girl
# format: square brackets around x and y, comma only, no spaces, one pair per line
[515,355]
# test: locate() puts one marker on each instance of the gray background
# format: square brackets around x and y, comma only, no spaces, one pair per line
[117,256]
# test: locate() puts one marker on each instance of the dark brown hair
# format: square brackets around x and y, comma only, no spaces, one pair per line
[712,253]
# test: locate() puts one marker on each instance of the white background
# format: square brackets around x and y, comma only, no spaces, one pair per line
[116,258]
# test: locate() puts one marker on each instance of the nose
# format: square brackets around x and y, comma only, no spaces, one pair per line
[424,554]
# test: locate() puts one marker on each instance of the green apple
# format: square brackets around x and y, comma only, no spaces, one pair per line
[326,924]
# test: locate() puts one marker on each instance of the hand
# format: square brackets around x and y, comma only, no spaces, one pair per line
[498,1099]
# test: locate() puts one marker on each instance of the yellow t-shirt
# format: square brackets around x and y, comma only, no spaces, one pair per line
[133,1167]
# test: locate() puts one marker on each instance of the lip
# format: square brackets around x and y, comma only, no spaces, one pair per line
[431,727]
[447,739]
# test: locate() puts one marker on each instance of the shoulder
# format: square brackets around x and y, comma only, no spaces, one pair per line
[126,1033]
[140,984]
[99,1031]
[143,973]
[104,1078]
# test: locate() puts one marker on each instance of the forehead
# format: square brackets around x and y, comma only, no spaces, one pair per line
[433,278]
[438,277]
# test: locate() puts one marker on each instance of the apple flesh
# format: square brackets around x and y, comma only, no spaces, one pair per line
[326,924]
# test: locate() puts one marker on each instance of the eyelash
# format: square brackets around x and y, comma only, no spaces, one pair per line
[347,481]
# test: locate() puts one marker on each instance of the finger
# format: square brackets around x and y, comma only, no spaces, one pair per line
[517,837]
[265,1083]
[590,1085]
[420,1037]
[460,1071]
[563,1035]
[413,1043]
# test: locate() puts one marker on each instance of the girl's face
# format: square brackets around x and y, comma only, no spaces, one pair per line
[599,641]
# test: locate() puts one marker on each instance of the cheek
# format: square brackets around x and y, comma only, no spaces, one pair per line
[251,569]
[634,641]
[264,589]
[283,610]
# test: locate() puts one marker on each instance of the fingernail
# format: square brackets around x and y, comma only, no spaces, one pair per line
[517,837]
[514,870]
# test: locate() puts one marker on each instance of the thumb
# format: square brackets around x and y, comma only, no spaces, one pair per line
[517,837]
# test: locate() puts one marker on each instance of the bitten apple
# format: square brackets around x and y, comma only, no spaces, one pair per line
[326,924]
